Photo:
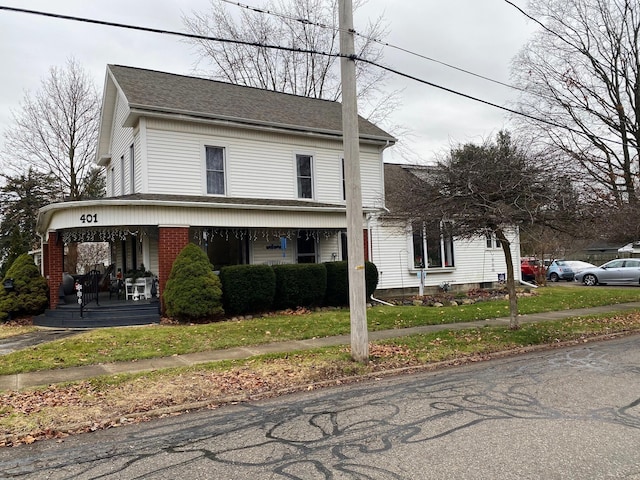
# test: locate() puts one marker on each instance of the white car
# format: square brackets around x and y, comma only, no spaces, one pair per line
[622,271]
[577,266]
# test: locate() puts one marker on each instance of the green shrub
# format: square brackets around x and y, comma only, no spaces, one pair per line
[193,292]
[338,282]
[371,277]
[247,288]
[337,294]
[30,293]
[300,285]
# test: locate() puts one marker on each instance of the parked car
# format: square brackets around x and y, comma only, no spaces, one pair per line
[529,269]
[577,266]
[622,271]
[560,270]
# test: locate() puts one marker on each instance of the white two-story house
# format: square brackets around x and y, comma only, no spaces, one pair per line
[250,175]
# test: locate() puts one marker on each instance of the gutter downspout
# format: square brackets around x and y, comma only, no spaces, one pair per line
[382,301]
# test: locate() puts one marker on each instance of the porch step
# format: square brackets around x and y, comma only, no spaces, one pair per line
[115,315]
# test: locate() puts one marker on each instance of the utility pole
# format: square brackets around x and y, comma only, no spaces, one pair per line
[351,142]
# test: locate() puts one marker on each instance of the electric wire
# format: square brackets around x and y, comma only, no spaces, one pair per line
[306,21]
[299,50]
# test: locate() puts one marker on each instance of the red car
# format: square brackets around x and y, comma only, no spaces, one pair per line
[530,268]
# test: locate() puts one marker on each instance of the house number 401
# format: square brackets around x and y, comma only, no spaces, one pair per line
[91,218]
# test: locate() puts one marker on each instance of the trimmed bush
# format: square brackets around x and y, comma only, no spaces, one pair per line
[337,294]
[371,278]
[247,288]
[338,282]
[30,291]
[300,285]
[193,292]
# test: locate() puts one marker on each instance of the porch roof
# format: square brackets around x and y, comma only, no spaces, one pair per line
[186,210]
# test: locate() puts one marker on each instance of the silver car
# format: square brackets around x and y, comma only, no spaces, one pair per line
[622,271]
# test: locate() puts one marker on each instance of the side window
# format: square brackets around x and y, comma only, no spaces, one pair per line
[122,175]
[215,170]
[432,246]
[418,246]
[304,172]
[344,183]
[132,170]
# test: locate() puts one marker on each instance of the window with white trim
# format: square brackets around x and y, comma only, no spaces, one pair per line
[132,170]
[306,247]
[215,170]
[432,246]
[492,241]
[304,172]
[122,175]
[344,183]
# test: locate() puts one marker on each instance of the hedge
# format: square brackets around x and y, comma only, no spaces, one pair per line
[338,282]
[300,285]
[247,288]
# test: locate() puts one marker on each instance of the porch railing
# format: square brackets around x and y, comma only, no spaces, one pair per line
[88,290]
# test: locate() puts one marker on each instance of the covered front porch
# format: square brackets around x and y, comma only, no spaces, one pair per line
[145,235]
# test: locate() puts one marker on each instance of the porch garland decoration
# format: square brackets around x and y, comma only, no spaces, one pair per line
[203,235]
[100,235]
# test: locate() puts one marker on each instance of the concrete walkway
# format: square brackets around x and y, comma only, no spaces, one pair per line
[47,377]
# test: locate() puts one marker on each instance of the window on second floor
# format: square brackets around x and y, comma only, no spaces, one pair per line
[132,170]
[304,172]
[492,241]
[344,183]
[215,170]
[432,246]
[122,175]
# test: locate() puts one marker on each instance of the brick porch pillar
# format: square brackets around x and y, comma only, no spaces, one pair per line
[171,241]
[54,266]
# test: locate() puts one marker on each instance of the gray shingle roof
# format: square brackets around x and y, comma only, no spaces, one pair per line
[166,92]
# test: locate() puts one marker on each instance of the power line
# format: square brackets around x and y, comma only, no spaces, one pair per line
[486,102]
[161,31]
[295,50]
[306,21]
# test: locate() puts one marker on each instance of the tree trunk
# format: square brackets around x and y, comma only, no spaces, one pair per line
[511,280]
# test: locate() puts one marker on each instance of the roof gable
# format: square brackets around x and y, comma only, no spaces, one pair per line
[149,91]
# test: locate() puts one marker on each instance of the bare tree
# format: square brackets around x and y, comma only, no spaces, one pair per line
[310,25]
[55,131]
[582,70]
[92,255]
[489,189]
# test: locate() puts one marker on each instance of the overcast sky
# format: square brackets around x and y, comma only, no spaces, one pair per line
[477,35]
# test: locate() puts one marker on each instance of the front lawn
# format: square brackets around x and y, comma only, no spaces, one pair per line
[126,344]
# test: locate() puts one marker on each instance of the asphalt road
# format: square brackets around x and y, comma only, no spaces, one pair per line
[563,414]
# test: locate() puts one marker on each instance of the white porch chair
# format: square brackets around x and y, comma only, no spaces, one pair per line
[140,289]
[129,289]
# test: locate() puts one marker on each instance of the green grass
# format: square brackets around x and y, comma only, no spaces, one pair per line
[126,344]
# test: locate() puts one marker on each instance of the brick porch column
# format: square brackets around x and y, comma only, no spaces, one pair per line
[171,240]
[54,267]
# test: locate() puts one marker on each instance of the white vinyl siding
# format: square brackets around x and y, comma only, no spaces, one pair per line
[257,164]
[122,138]
[392,252]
